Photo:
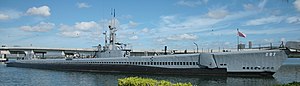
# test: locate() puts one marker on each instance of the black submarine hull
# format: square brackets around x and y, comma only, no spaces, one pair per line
[113,68]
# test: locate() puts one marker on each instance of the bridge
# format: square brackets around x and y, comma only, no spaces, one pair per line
[42,52]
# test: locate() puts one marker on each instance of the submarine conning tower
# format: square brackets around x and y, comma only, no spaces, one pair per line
[112,49]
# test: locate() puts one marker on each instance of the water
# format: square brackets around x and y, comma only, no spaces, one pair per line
[10,76]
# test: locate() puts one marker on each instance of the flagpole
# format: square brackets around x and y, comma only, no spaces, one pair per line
[238,40]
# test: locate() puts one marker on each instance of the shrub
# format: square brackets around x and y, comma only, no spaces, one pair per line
[137,81]
[290,84]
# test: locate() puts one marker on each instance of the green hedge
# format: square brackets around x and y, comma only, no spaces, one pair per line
[290,84]
[137,81]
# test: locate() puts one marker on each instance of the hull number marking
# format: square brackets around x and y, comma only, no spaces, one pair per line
[270,54]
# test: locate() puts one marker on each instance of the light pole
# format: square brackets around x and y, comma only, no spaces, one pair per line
[196,46]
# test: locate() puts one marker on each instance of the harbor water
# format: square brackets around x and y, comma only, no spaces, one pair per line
[11,76]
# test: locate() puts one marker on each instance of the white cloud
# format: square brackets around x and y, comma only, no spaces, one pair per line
[191,3]
[86,25]
[161,41]
[227,43]
[73,34]
[293,20]
[297,4]
[268,40]
[271,31]
[255,7]
[168,19]
[133,24]
[134,37]
[4,17]
[145,30]
[250,32]
[283,39]
[265,20]
[83,5]
[40,11]
[262,4]
[174,27]
[190,24]
[69,31]
[41,27]
[82,29]
[10,14]
[183,37]
[126,26]
[249,6]
[218,13]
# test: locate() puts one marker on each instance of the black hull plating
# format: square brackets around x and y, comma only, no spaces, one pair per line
[112,68]
[108,68]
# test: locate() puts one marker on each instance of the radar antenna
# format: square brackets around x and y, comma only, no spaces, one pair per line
[112,30]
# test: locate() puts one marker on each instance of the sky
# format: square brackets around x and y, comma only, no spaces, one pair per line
[149,24]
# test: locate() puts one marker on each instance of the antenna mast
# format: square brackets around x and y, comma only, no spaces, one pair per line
[112,30]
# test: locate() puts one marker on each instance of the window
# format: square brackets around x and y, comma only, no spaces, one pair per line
[243,67]
[180,63]
[247,67]
[191,63]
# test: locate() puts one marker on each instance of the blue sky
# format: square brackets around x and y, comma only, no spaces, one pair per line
[148,24]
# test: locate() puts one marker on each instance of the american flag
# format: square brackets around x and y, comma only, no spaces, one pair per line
[241,34]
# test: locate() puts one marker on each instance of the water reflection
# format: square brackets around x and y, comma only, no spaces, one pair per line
[288,73]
